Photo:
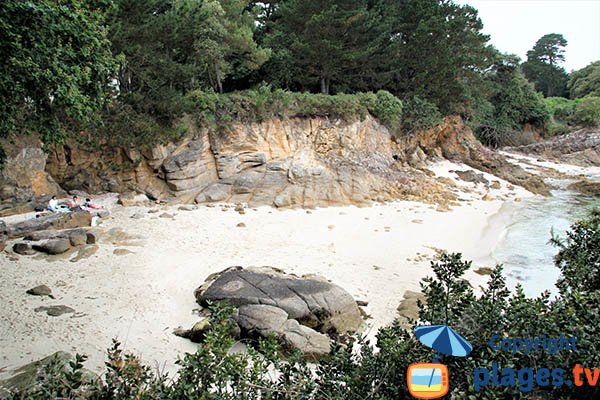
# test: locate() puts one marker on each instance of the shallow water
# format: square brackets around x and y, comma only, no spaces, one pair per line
[524,249]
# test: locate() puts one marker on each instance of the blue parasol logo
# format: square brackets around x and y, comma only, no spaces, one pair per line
[431,380]
[443,339]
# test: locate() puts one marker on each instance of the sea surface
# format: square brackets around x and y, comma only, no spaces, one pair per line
[524,247]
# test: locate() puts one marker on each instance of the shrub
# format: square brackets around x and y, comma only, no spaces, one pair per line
[560,108]
[419,114]
[126,127]
[258,104]
[583,111]
[555,129]
[587,112]
[387,108]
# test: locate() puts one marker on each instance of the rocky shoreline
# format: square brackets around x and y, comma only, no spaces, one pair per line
[283,163]
[135,275]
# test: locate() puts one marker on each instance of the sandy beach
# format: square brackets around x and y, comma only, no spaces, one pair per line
[143,292]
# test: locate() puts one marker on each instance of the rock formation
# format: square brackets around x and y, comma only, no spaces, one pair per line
[299,162]
[581,147]
[56,221]
[23,177]
[299,311]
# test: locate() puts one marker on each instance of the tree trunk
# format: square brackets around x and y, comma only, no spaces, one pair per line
[324,85]
[218,78]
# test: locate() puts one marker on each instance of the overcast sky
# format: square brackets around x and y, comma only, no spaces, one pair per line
[515,26]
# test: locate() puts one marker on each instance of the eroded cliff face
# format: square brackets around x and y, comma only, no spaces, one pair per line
[23,177]
[285,163]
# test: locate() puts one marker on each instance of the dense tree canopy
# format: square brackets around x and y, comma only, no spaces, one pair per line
[512,103]
[56,64]
[173,47]
[159,57]
[542,65]
[428,48]
[585,82]
[435,50]
[322,42]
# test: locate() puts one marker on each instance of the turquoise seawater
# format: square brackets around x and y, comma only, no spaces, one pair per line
[524,250]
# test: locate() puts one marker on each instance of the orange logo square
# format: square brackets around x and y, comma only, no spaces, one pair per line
[427,380]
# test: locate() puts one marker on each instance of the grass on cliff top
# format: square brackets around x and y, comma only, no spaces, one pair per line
[125,126]
[256,105]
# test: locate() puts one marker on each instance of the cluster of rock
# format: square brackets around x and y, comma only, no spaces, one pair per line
[303,313]
[300,162]
[50,234]
[581,147]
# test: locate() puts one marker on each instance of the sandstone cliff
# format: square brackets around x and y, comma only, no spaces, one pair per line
[296,162]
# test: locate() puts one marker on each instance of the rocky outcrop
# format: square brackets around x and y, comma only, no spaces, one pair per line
[586,187]
[454,141]
[299,162]
[23,178]
[261,320]
[285,163]
[55,221]
[312,301]
[300,312]
[581,147]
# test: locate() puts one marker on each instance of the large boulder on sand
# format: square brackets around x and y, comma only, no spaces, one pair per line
[263,320]
[130,199]
[23,248]
[312,301]
[77,236]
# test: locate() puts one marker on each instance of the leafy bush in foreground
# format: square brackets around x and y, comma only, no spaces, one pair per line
[214,372]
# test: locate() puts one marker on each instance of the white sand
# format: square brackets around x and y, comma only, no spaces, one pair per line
[140,298]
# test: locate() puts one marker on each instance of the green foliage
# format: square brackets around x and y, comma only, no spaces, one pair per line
[429,48]
[123,126]
[435,51]
[387,108]
[263,103]
[542,66]
[557,129]
[447,294]
[560,108]
[578,258]
[321,43]
[173,47]
[585,82]
[156,59]
[56,65]
[587,112]
[419,114]
[57,380]
[583,111]
[513,103]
